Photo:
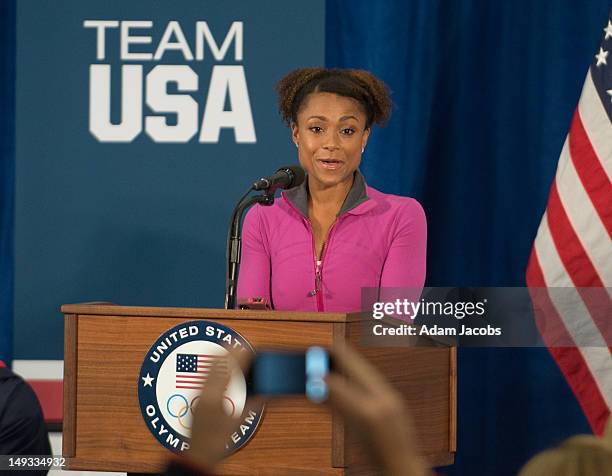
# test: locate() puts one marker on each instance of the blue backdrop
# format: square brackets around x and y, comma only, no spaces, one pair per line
[484,92]
[142,221]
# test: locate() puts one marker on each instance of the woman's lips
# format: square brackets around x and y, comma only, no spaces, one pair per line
[330,164]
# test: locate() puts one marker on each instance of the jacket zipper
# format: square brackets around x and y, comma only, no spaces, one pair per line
[318,268]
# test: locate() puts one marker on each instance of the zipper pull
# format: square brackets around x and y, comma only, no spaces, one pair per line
[317,281]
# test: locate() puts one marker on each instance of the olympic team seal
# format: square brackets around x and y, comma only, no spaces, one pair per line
[174,373]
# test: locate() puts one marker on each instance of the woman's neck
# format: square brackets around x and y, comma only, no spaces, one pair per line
[328,198]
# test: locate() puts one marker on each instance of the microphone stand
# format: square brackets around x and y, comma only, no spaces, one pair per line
[234,242]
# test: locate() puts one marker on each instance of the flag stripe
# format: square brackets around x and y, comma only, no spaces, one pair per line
[569,359]
[583,217]
[567,243]
[597,125]
[577,264]
[596,358]
[592,174]
[45,377]
[576,372]
[555,276]
[193,370]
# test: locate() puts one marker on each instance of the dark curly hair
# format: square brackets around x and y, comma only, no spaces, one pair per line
[363,86]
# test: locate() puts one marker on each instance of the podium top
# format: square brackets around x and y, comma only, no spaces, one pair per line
[108,309]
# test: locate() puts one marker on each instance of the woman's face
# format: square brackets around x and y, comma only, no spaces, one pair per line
[330,134]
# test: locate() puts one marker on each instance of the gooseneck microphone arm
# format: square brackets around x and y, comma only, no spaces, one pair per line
[285,177]
[234,244]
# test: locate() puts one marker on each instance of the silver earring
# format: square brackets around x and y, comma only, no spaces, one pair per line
[297,145]
[363,150]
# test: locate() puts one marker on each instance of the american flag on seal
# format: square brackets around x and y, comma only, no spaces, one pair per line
[573,246]
[192,369]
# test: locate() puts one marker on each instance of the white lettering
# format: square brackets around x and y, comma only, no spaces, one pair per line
[127,40]
[100,100]
[173,28]
[228,81]
[251,417]
[100,26]
[161,347]
[203,35]
[183,105]
[172,441]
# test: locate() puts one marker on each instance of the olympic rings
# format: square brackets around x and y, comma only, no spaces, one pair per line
[186,407]
[225,397]
[191,407]
[181,421]
[193,403]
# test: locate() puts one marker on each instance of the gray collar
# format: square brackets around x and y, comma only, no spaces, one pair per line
[298,196]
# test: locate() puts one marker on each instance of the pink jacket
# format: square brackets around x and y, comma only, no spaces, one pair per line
[378,240]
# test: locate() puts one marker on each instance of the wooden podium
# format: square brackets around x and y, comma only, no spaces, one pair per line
[104,429]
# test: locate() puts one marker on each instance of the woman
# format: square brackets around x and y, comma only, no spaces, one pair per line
[322,242]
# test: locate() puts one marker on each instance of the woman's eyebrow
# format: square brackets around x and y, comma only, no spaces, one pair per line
[343,118]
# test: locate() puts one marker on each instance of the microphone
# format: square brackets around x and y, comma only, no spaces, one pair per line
[283,178]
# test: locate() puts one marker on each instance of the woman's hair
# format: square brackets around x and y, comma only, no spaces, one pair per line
[582,455]
[364,87]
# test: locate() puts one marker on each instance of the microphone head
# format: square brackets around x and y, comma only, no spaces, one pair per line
[297,175]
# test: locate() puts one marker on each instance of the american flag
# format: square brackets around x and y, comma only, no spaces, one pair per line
[192,369]
[573,246]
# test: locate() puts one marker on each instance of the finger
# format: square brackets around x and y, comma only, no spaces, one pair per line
[358,369]
[240,357]
[217,381]
[344,397]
